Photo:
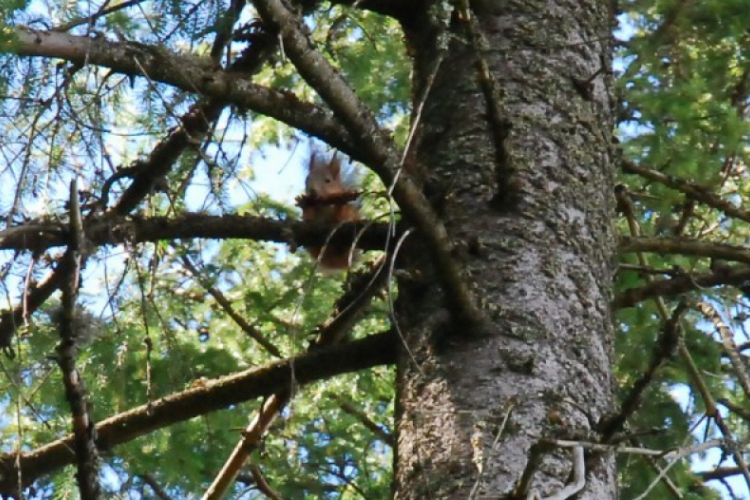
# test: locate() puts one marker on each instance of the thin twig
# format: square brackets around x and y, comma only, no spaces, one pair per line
[104,11]
[227,307]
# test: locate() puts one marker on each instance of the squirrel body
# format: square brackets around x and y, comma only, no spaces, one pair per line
[327,200]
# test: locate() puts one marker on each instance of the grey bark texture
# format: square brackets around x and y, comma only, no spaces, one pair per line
[527,200]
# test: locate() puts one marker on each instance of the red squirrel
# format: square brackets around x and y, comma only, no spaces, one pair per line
[326,200]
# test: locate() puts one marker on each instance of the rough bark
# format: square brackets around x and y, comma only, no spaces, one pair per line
[524,182]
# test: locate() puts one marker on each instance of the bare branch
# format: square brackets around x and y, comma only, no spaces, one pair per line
[682,283]
[191,73]
[115,231]
[684,246]
[692,190]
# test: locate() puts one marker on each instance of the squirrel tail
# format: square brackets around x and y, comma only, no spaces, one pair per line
[333,258]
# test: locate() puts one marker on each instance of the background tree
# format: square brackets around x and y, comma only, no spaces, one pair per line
[153,301]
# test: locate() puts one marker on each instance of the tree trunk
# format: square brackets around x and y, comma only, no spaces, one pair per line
[519,161]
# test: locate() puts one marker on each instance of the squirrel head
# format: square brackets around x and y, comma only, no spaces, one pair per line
[323,178]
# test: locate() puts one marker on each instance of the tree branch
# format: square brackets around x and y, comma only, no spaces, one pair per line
[372,351]
[114,231]
[84,433]
[719,473]
[692,190]
[680,284]
[684,246]
[32,300]
[191,73]
[365,420]
[226,305]
[195,124]
[349,308]
[663,350]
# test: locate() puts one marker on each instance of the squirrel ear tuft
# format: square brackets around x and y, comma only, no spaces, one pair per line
[335,166]
[312,162]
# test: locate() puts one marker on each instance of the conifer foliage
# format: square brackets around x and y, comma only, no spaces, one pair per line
[164,336]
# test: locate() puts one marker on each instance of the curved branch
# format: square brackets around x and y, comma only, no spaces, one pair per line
[191,73]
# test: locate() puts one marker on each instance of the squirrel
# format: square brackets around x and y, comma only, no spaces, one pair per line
[327,200]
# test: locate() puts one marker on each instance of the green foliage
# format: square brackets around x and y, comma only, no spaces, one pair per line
[156,328]
[684,99]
